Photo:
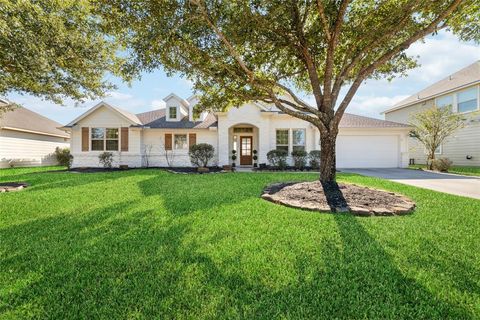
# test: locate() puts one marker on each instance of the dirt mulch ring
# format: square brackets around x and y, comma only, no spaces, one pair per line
[361,201]
[12,186]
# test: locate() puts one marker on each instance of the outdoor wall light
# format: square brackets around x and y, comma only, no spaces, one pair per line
[469,157]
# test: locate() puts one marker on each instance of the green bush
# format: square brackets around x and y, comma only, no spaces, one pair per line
[277,158]
[200,154]
[299,158]
[314,158]
[106,159]
[63,156]
[442,164]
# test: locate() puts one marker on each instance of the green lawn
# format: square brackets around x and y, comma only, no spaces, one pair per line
[468,171]
[145,244]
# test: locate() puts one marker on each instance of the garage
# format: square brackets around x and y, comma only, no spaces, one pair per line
[368,151]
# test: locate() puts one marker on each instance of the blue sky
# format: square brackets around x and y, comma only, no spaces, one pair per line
[439,56]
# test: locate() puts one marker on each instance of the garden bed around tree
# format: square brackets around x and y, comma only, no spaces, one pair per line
[12,186]
[359,200]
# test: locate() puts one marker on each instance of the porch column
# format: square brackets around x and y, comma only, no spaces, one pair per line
[223,148]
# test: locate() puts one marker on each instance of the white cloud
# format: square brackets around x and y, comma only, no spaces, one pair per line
[372,106]
[157,104]
[118,95]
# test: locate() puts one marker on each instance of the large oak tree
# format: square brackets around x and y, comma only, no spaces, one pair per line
[54,49]
[243,50]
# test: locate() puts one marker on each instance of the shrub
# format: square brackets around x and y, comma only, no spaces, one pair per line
[442,164]
[277,158]
[106,159]
[314,157]
[63,156]
[200,154]
[299,158]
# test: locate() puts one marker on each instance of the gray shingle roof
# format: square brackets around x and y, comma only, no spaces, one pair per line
[23,119]
[157,119]
[355,121]
[462,78]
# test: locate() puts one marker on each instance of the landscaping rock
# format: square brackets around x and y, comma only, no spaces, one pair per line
[361,201]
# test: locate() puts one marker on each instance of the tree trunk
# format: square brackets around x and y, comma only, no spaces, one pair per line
[327,157]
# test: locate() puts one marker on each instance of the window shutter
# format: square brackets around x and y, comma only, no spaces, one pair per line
[168,141]
[85,140]
[124,139]
[192,139]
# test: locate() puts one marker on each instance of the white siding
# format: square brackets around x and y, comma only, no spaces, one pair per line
[28,149]
[464,142]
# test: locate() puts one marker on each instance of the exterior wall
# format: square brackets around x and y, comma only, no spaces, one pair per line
[465,141]
[28,149]
[154,147]
[105,118]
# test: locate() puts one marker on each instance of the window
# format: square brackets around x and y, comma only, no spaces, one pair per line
[180,141]
[235,139]
[282,139]
[242,130]
[104,139]
[444,101]
[438,150]
[97,137]
[172,112]
[111,141]
[467,100]
[298,139]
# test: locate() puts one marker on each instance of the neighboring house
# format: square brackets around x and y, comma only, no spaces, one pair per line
[29,139]
[461,91]
[162,137]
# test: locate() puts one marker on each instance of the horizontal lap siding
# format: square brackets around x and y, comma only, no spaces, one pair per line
[28,149]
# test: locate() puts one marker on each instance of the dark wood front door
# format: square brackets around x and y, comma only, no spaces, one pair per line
[245,151]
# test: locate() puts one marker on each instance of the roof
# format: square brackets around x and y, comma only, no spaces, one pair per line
[465,77]
[355,121]
[133,119]
[23,119]
[157,119]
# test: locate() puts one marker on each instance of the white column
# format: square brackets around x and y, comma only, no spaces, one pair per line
[223,149]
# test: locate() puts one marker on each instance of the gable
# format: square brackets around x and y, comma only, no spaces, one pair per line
[104,117]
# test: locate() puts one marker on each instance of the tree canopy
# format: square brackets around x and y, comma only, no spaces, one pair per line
[54,49]
[272,50]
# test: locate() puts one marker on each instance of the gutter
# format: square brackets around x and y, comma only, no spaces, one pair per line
[35,132]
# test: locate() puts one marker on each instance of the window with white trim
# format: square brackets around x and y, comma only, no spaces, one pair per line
[298,139]
[282,139]
[467,100]
[180,142]
[172,112]
[444,101]
[438,150]
[104,139]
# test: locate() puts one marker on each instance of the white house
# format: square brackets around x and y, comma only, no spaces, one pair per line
[29,139]
[162,137]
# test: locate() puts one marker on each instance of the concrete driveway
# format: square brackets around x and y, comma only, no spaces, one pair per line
[449,183]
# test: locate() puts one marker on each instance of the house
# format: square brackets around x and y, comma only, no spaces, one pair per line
[29,139]
[162,137]
[461,91]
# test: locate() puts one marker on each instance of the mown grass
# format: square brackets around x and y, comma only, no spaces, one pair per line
[146,244]
[464,170]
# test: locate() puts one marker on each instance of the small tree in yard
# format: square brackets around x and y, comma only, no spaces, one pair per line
[201,154]
[63,157]
[274,51]
[432,126]
[106,159]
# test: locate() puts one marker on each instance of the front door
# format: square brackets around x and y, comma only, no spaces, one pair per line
[245,151]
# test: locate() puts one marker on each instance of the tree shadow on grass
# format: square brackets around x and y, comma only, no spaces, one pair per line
[131,260]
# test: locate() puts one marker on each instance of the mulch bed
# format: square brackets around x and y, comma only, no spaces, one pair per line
[360,200]
[193,170]
[12,186]
[184,170]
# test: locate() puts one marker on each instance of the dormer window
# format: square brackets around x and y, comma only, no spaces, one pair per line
[172,112]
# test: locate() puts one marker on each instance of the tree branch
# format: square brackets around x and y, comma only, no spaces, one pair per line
[367,71]
[323,19]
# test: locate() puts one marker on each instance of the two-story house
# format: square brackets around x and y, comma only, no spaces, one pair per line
[461,91]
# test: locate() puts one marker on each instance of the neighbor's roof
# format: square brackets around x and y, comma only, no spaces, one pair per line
[355,121]
[22,119]
[156,119]
[465,77]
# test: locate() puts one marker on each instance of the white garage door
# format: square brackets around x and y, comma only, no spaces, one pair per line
[367,152]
